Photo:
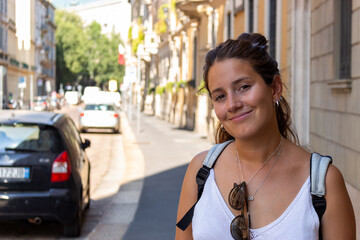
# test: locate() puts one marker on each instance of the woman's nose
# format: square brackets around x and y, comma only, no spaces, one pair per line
[233,102]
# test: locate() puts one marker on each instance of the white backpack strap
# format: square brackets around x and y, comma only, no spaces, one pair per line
[214,153]
[201,178]
[319,166]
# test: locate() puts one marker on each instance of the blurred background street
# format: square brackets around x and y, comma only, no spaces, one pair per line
[129,73]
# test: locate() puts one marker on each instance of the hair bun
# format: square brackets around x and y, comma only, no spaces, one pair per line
[256,39]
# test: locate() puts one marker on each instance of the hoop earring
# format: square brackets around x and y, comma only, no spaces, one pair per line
[277,104]
[222,127]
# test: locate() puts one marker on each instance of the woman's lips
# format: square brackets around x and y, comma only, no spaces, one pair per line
[240,116]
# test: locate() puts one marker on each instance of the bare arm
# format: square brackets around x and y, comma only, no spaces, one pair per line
[189,194]
[338,221]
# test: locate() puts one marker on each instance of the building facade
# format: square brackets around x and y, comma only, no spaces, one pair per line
[4,58]
[45,48]
[27,50]
[335,87]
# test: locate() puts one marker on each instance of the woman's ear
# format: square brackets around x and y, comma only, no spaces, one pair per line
[277,87]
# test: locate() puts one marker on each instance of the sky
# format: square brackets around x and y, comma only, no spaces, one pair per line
[68,3]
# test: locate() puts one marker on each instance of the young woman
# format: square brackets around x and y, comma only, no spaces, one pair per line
[264,163]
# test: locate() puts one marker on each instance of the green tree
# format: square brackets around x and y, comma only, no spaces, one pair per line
[103,55]
[84,55]
[71,57]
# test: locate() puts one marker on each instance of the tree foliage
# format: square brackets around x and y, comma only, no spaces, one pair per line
[84,55]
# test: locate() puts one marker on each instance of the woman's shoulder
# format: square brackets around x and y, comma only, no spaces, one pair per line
[297,157]
[197,161]
[339,224]
[334,178]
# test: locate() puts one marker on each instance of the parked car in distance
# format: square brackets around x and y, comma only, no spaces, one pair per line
[100,116]
[72,97]
[41,103]
[44,169]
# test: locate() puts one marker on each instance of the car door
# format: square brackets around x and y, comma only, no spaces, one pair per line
[79,156]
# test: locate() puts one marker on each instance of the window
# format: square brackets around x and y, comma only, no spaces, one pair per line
[251,16]
[213,37]
[1,39]
[195,59]
[345,39]
[272,33]
[30,138]
[228,25]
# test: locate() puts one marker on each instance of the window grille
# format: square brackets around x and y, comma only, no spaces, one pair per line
[194,59]
[272,34]
[229,25]
[345,39]
[251,16]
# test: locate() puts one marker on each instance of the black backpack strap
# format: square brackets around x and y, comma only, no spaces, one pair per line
[318,168]
[201,178]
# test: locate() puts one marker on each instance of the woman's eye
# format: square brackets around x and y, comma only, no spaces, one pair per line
[244,87]
[219,97]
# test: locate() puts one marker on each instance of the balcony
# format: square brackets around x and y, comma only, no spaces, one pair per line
[190,7]
[14,62]
[44,28]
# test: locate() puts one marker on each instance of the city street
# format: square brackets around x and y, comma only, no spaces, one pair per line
[149,163]
[107,169]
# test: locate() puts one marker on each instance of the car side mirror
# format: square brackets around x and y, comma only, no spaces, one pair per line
[86,144]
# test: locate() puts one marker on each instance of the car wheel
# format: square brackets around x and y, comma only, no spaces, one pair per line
[73,229]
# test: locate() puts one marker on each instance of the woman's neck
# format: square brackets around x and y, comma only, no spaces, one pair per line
[255,151]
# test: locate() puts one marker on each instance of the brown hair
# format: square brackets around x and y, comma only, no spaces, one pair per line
[253,48]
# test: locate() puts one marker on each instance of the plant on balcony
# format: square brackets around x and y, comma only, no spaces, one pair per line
[141,36]
[169,87]
[160,90]
[180,84]
[163,16]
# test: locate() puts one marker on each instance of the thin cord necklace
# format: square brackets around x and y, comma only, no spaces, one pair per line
[251,198]
[266,161]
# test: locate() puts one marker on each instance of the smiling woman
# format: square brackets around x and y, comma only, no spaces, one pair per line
[241,99]
[260,187]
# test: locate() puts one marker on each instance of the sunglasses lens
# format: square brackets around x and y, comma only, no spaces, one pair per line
[238,228]
[237,196]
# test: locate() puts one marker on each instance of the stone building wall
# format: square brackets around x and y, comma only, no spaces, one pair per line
[335,111]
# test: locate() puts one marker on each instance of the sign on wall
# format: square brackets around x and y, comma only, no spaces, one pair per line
[22,82]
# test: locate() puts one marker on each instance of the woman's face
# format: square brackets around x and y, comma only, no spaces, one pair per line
[242,101]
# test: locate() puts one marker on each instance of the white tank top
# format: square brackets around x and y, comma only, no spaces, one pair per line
[212,217]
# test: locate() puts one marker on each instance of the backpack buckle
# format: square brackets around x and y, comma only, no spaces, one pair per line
[202,175]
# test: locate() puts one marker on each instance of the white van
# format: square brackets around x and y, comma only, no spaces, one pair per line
[91,94]
[72,97]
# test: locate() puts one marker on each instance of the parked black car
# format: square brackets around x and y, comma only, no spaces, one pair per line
[44,169]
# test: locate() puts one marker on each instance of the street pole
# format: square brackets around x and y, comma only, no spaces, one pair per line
[1,87]
[31,91]
[138,94]
[130,101]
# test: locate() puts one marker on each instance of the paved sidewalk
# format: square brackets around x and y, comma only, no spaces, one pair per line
[156,159]
[123,205]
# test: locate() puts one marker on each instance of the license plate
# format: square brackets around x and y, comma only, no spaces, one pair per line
[14,172]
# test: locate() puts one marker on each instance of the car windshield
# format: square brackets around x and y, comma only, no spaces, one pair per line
[29,138]
[100,107]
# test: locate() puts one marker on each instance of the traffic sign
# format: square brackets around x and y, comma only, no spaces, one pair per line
[22,82]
